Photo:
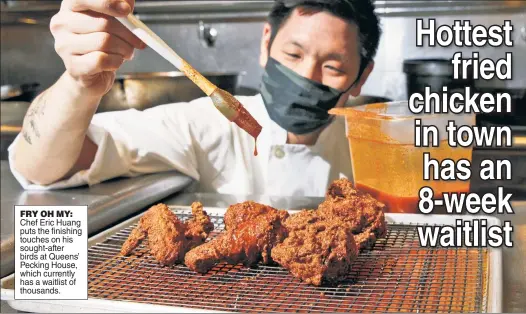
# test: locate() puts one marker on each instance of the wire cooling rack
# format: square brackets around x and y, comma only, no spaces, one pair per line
[395,275]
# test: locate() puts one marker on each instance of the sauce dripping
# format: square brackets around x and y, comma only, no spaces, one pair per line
[245,121]
[231,108]
[255,146]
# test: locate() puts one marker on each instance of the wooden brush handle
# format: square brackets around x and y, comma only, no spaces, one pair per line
[10,128]
[204,84]
[145,34]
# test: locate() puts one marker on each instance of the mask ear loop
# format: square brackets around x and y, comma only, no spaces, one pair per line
[363,64]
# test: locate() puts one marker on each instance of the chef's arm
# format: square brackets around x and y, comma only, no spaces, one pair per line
[53,141]
[92,45]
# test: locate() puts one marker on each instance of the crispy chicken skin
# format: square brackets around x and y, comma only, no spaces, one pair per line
[134,239]
[169,238]
[362,212]
[242,212]
[198,227]
[246,241]
[318,249]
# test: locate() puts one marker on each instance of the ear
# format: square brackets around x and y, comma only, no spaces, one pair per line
[265,42]
[357,88]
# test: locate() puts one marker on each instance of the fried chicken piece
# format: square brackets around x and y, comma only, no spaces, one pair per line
[134,239]
[198,227]
[242,212]
[302,219]
[318,249]
[323,243]
[168,237]
[165,234]
[341,188]
[248,242]
[363,214]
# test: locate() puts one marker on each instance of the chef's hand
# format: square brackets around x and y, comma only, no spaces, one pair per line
[92,43]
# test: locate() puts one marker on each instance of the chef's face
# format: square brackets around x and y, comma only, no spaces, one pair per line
[319,46]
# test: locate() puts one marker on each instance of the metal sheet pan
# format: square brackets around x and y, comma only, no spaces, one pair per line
[397,274]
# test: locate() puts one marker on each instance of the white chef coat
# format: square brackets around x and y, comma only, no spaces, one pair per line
[195,139]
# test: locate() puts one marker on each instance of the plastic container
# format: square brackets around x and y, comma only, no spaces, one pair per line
[386,162]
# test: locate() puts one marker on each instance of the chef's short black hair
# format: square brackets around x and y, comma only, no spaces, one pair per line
[359,12]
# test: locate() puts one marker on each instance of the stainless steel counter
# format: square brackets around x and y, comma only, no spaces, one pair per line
[108,203]
[514,266]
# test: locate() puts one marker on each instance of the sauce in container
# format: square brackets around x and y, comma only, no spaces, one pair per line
[386,162]
[402,204]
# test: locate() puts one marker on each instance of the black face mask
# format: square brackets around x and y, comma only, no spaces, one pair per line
[295,103]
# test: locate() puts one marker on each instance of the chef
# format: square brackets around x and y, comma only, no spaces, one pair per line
[315,55]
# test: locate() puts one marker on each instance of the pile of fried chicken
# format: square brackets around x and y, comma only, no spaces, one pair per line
[316,246]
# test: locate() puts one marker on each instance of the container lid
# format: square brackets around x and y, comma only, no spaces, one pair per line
[426,67]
